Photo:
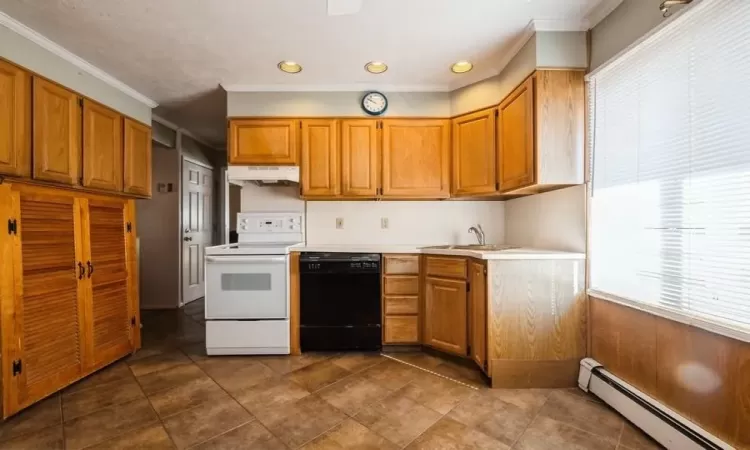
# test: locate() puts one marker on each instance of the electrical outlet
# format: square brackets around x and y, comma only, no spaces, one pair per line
[384,223]
[339,223]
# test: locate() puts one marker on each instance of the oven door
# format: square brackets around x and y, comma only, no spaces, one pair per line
[247,287]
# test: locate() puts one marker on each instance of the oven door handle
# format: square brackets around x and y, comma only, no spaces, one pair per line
[245,259]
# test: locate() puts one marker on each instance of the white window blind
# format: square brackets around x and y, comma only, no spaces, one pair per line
[670,205]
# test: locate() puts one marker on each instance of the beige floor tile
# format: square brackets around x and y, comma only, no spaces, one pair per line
[267,400]
[353,393]
[436,393]
[303,420]
[115,372]
[45,439]
[151,437]
[583,414]
[398,419]
[206,421]
[188,395]
[494,417]
[633,438]
[252,435]
[170,378]
[418,359]
[318,375]
[391,374]
[159,361]
[237,373]
[548,434]
[107,423]
[196,352]
[350,434]
[449,434]
[356,362]
[86,401]
[34,418]
[287,364]
[469,375]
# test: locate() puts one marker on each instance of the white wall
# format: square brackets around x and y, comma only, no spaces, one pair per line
[271,198]
[35,58]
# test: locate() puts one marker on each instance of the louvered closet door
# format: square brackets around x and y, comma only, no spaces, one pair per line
[42,350]
[106,268]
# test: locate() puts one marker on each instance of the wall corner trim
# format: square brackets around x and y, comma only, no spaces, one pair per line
[28,33]
[600,11]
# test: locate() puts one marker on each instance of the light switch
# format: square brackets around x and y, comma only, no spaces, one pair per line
[384,223]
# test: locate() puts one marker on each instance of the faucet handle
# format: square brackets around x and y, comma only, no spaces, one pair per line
[479,226]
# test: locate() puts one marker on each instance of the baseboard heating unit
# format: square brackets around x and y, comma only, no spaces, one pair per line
[664,425]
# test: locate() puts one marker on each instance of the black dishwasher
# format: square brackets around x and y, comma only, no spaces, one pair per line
[340,301]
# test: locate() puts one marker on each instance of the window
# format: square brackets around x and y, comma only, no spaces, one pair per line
[670,190]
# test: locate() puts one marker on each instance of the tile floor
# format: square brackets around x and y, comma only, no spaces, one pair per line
[170,395]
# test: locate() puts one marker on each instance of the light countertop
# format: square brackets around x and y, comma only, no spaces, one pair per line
[516,253]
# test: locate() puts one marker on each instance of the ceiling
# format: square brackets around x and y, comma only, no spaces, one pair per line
[179,52]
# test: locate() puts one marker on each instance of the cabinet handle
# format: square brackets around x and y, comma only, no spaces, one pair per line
[91,268]
[81,271]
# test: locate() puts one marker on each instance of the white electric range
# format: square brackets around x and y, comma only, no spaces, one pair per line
[247,286]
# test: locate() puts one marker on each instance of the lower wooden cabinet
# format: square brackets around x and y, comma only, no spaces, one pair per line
[445,315]
[67,301]
[478,313]
[400,299]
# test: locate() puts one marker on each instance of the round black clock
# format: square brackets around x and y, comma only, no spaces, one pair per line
[374,103]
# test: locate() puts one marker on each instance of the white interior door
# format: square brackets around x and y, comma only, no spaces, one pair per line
[197,226]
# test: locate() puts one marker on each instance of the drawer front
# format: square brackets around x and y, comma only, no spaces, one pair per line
[401,305]
[401,264]
[401,330]
[448,267]
[401,285]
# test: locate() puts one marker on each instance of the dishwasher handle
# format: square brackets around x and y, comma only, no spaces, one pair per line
[245,259]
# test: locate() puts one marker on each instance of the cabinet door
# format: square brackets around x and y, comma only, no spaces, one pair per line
[360,158]
[474,153]
[57,133]
[416,158]
[102,147]
[320,163]
[445,315]
[109,314]
[515,138]
[42,321]
[263,141]
[137,143]
[478,313]
[15,120]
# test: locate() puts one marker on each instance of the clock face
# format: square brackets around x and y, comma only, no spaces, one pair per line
[374,103]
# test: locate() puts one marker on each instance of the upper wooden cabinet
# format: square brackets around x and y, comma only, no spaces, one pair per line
[263,141]
[416,158]
[15,120]
[102,147]
[137,147]
[445,326]
[474,153]
[320,158]
[540,133]
[57,133]
[360,158]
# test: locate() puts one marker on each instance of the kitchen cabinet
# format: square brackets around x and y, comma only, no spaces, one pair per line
[400,288]
[263,141]
[445,315]
[478,313]
[516,138]
[416,158]
[67,296]
[15,120]
[360,158]
[474,153]
[57,133]
[102,147]
[319,164]
[137,148]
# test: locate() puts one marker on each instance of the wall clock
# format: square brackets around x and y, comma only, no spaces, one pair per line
[374,103]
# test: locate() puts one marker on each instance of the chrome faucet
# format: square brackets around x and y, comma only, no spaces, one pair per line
[479,232]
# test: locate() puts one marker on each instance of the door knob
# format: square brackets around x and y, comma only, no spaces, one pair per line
[187,239]
[187,230]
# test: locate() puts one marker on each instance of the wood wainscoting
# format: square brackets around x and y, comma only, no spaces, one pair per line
[702,375]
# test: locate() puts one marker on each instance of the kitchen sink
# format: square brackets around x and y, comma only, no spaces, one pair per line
[485,247]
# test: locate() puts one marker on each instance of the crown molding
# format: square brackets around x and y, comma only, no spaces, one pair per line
[26,32]
[600,11]
[351,87]
[560,24]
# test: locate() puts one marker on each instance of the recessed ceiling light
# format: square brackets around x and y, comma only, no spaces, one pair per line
[376,67]
[462,67]
[290,67]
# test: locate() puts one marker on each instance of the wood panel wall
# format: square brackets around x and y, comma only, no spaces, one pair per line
[702,375]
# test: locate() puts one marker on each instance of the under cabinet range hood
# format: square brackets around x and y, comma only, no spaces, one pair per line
[263,175]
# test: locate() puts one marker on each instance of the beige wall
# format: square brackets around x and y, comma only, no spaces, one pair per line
[28,54]
[561,49]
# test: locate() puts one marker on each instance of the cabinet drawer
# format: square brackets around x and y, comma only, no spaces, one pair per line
[401,285]
[401,330]
[448,267]
[401,264]
[401,305]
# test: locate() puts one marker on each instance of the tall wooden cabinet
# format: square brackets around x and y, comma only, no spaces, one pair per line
[137,147]
[57,133]
[15,120]
[67,306]
[360,158]
[474,153]
[320,157]
[102,147]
